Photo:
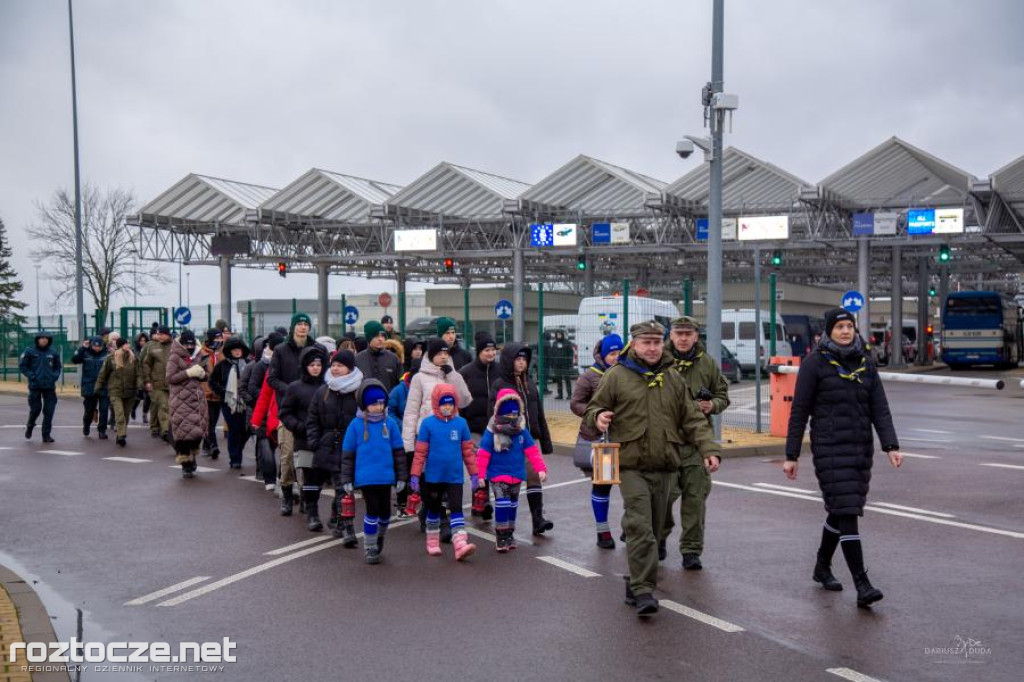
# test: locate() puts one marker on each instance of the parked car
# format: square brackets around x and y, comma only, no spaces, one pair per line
[731,367]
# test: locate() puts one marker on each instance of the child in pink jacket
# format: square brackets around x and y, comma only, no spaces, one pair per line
[501,459]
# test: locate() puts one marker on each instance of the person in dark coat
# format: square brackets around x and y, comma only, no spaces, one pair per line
[839,390]
[459,355]
[377,362]
[42,366]
[479,376]
[91,355]
[226,383]
[414,350]
[189,417]
[333,407]
[514,373]
[292,413]
[397,399]
[142,396]
[284,369]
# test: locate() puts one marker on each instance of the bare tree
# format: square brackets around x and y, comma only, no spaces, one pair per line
[110,263]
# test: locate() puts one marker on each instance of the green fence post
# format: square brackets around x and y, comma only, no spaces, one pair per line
[209,315]
[401,313]
[688,297]
[542,370]
[467,330]
[294,308]
[248,322]
[344,325]
[771,314]
[625,310]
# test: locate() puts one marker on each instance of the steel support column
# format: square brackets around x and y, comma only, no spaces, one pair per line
[225,289]
[322,299]
[896,309]
[518,301]
[864,286]
[922,311]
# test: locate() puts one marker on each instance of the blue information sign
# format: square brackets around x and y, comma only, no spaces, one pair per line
[503,309]
[853,301]
[351,314]
[542,234]
[920,221]
[182,316]
[863,224]
[702,229]
[601,233]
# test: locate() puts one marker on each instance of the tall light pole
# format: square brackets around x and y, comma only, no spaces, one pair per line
[79,291]
[715,117]
[39,308]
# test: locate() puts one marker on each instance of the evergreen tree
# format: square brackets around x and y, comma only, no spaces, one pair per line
[10,285]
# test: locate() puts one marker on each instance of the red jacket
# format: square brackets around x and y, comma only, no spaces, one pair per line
[266,408]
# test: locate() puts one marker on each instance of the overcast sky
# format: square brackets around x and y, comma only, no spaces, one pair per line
[261,91]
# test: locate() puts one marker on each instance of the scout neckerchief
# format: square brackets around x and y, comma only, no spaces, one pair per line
[843,371]
[654,379]
[598,368]
[685,361]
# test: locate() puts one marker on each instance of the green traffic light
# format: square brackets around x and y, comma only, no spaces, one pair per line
[581,263]
[777,259]
[944,254]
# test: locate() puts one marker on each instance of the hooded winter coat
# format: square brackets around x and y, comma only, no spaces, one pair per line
[121,382]
[411,343]
[654,414]
[329,415]
[460,356]
[584,389]
[284,366]
[842,412]
[443,444]
[502,457]
[479,377]
[154,364]
[700,371]
[382,365]
[297,399]
[92,363]
[418,407]
[189,413]
[527,390]
[218,382]
[265,411]
[248,388]
[372,452]
[42,366]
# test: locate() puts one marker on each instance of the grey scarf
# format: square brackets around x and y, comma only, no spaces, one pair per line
[344,384]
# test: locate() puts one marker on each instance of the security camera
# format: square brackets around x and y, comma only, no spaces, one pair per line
[684,148]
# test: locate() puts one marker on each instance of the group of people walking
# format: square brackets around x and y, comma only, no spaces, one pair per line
[415,417]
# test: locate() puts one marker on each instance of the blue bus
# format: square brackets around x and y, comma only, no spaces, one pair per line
[980,328]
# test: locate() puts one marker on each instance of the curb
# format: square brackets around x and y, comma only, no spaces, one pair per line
[23,618]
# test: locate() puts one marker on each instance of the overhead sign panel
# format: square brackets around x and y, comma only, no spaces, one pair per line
[620,233]
[863,224]
[601,233]
[764,228]
[542,234]
[949,220]
[920,221]
[728,229]
[564,234]
[885,223]
[416,240]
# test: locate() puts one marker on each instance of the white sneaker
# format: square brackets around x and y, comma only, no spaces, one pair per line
[269,486]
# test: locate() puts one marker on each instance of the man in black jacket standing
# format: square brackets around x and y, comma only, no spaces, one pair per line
[284,369]
[377,362]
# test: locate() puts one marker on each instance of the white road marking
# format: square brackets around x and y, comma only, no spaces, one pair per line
[201,470]
[572,568]
[1011,440]
[130,460]
[490,536]
[852,675]
[266,566]
[1002,466]
[881,510]
[917,456]
[786,487]
[6,447]
[927,440]
[941,433]
[66,453]
[698,615]
[913,509]
[298,545]
[153,596]
[565,483]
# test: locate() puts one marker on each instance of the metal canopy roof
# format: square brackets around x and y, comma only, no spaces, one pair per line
[589,185]
[748,185]
[202,199]
[324,195]
[896,174]
[450,190]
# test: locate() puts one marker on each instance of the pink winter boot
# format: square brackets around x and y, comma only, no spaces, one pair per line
[434,542]
[463,547]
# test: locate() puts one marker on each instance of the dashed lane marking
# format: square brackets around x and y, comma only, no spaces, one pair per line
[913,509]
[725,626]
[1002,466]
[130,460]
[915,455]
[1003,438]
[785,487]
[201,470]
[565,483]
[153,596]
[490,536]
[298,545]
[941,433]
[882,510]
[852,675]
[66,453]
[572,568]
[927,440]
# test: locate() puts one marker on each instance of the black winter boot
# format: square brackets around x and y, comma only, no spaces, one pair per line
[536,500]
[446,527]
[867,594]
[348,534]
[313,522]
[335,518]
[823,574]
[286,500]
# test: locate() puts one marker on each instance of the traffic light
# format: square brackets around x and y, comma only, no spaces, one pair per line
[449,265]
[944,254]
[581,263]
[776,259]
[931,291]
[282,269]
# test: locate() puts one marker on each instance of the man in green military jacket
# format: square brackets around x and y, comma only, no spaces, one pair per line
[710,390]
[643,404]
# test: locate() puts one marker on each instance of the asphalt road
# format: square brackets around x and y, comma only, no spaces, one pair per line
[95,534]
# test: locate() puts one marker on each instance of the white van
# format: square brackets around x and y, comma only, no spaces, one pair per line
[738,335]
[601,315]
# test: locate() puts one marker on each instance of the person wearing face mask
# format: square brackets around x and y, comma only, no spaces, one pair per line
[838,389]
[514,373]
[226,384]
[154,375]
[188,413]
[460,357]
[644,405]
[332,408]
[91,355]
[208,357]
[41,365]
[121,377]
[284,369]
[373,460]
[376,362]
[293,412]
[606,354]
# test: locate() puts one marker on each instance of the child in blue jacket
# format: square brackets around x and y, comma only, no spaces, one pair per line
[443,446]
[373,460]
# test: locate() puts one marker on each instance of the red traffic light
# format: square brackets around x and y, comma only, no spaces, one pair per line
[282,269]
[449,264]
[929,329]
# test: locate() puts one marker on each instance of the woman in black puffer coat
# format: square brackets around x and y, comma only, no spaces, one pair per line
[518,379]
[839,390]
[292,413]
